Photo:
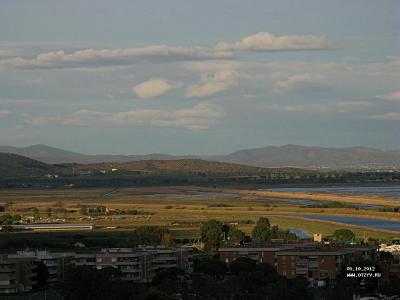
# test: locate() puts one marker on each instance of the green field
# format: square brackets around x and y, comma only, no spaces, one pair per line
[181,209]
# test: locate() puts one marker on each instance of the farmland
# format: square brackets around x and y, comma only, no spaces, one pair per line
[181,209]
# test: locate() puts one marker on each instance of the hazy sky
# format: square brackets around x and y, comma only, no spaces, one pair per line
[199,76]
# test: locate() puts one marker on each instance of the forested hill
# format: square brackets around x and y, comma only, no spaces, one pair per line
[186,166]
[12,165]
[19,171]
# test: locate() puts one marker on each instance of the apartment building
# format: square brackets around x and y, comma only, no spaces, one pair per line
[57,264]
[261,254]
[362,252]
[135,266]
[16,275]
[318,263]
[319,266]
[171,257]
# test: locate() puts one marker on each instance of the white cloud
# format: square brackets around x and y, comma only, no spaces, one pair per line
[335,107]
[389,116]
[153,88]
[8,53]
[266,42]
[294,81]
[395,96]
[206,89]
[201,116]
[215,77]
[346,106]
[107,57]
[4,113]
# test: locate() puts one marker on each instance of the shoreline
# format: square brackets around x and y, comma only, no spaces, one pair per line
[322,196]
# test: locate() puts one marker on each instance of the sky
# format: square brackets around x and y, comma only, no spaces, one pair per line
[199,77]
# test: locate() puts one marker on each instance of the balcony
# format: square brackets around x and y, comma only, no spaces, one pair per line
[6,269]
[301,271]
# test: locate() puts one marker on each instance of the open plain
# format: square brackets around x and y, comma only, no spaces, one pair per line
[183,208]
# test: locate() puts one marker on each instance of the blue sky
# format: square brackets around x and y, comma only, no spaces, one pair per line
[199,76]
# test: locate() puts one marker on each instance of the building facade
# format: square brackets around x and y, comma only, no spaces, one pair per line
[320,264]
[137,266]
[17,270]
[16,275]
[57,264]
[317,266]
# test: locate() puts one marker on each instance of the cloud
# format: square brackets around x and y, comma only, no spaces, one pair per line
[395,96]
[153,88]
[345,106]
[4,113]
[335,107]
[291,81]
[201,116]
[389,116]
[112,57]
[215,77]
[294,81]
[267,42]
[8,53]
[206,89]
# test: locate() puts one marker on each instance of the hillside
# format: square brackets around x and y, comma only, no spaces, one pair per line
[12,165]
[315,157]
[267,157]
[19,171]
[53,155]
[184,166]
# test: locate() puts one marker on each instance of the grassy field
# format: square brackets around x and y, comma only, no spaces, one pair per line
[181,209]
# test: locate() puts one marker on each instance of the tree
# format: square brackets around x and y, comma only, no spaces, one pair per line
[8,219]
[167,239]
[42,274]
[344,235]
[242,265]
[264,274]
[261,232]
[87,283]
[83,210]
[212,234]
[49,212]
[211,267]
[170,273]
[235,235]
[36,213]
[344,288]
[16,219]
[149,235]
[8,205]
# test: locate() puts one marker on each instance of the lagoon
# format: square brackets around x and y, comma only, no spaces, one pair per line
[365,222]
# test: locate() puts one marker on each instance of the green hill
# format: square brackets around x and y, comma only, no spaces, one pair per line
[13,166]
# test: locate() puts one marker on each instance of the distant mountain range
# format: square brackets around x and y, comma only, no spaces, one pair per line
[17,166]
[316,157]
[53,155]
[282,156]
